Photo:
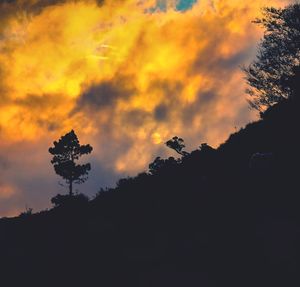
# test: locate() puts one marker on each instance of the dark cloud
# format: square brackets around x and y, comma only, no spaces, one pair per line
[3,163]
[15,8]
[38,103]
[33,6]
[48,125]
[4,98]
[44,101]
[136,117]
[204,105]
[171,98]
[161,113]
[206,97]
[104,95]
[169,88]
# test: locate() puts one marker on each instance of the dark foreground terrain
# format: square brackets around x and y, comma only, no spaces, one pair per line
[216,217]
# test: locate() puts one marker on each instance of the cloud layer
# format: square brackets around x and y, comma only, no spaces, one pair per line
[126,75]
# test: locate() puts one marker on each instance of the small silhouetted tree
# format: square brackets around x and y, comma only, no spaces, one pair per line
[278,55]
[178,145]
[65,154]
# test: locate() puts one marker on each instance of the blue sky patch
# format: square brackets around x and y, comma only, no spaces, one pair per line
[182,5]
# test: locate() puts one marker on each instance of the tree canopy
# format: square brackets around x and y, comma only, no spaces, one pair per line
[177,144]
[278,56]
[65,154]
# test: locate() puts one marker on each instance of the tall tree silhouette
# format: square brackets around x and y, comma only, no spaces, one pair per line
[278,55]
[65,154]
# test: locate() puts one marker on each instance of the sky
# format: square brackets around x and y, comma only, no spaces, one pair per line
[126,75]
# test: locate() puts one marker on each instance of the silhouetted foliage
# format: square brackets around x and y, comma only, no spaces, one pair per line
[65,154]
[67,200]
[205,147]
[159,164]
[278,55]
[293,83]
[178,145]
[27,212]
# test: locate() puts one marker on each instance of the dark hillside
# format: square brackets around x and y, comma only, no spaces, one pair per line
[217,217]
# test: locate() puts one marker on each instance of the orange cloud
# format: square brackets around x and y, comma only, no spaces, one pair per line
[125,78]
[6,191]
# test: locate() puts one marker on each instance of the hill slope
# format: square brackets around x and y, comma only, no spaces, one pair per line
[217,217]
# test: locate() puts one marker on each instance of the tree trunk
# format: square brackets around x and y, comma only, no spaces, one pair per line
[71,187]
[71,180]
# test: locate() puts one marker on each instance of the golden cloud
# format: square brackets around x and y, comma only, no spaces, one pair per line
[124,76]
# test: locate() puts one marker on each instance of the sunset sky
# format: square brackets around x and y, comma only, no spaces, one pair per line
[126,75]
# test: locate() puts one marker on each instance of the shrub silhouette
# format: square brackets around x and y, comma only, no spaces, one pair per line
[178,145]
[66,200]
[159,164]
[28,212]
[65,154]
